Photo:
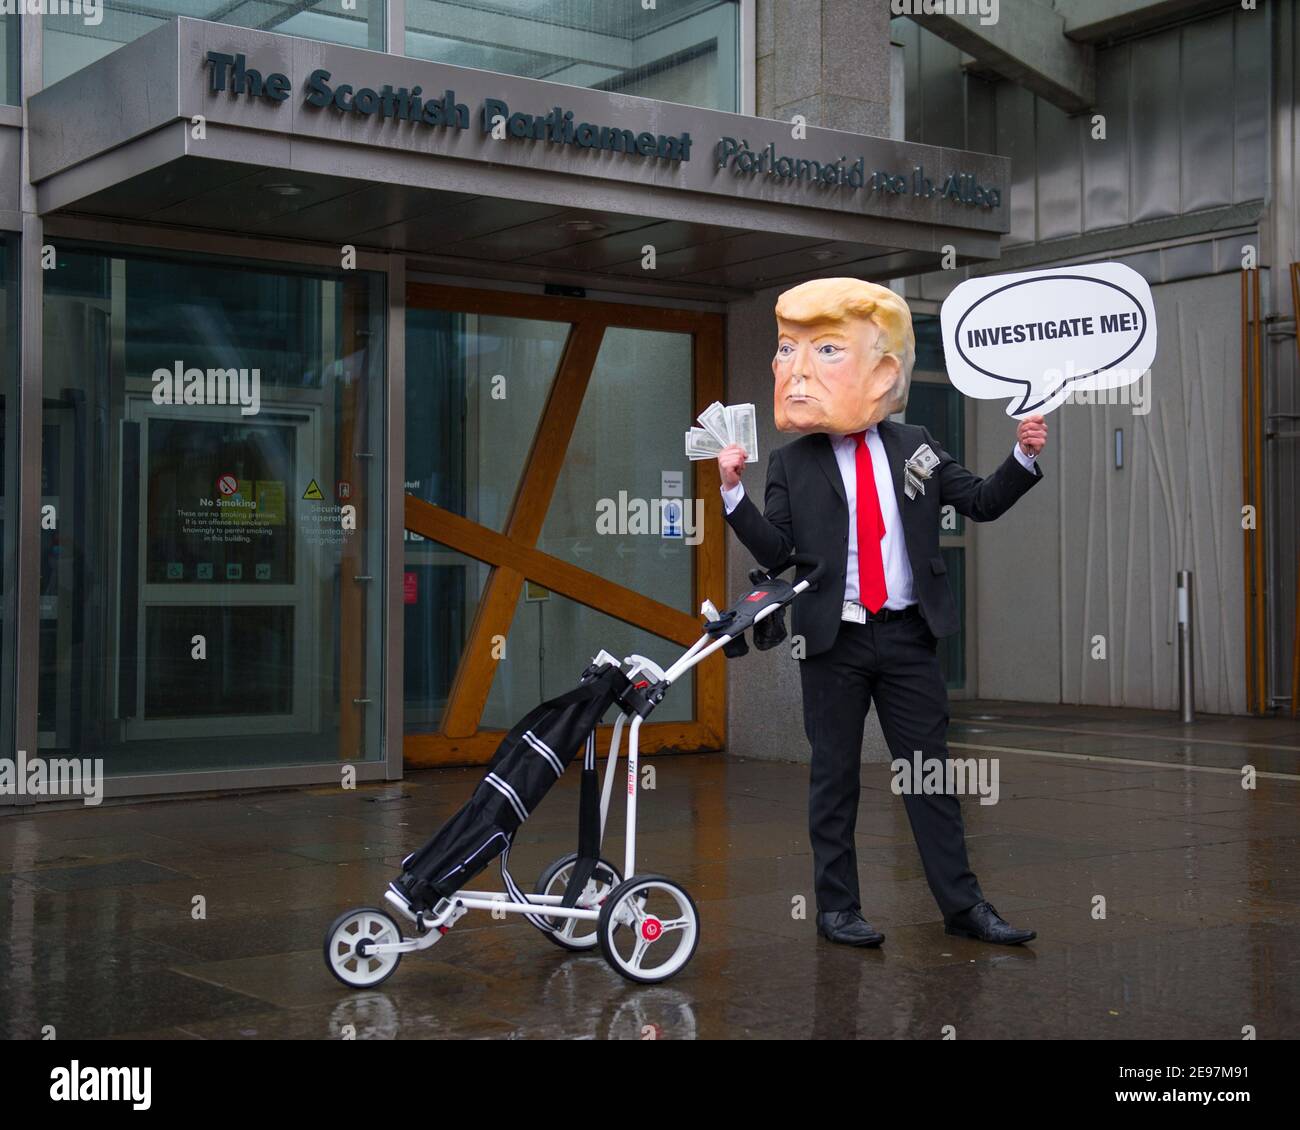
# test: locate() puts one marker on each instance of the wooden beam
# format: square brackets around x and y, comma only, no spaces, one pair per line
[545,460]
[478,661]
[710,554]
[513,552]
[556,574]
[484,646]
[548,308]
[426,751]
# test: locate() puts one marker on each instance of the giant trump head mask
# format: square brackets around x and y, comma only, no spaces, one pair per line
[843,357]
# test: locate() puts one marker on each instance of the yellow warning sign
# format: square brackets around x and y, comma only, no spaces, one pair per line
[312,493]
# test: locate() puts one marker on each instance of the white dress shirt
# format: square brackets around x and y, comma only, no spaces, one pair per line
[898,570]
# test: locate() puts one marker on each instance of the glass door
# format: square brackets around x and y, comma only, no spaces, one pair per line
[214,511]
[216,560]
[551,511]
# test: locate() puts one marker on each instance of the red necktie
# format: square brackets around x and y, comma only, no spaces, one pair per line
[871,528]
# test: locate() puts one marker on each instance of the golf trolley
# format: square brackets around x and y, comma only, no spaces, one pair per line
[646,925]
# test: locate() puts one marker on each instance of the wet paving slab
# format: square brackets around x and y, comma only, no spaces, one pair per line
[1225,743]
[1166,900]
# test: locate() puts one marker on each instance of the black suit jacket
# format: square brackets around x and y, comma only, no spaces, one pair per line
[805,507]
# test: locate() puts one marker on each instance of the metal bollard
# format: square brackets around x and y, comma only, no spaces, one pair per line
[1186,687]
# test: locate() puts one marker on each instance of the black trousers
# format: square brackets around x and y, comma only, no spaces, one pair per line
[895,665]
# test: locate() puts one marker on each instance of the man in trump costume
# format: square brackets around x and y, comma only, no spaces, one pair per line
[866,494]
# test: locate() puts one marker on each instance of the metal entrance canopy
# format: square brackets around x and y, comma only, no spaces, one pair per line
[202,125]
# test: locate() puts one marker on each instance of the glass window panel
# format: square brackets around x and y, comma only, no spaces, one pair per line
[475,389]
[552,640]
[71,42]
[940,408]
[212,471]
[441,592]
[260,682]
[623,435]
[607,513]
[9,60]
[929,344]
[221,313]
[678,51]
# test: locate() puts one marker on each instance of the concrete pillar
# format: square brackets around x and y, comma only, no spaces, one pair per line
[828,60]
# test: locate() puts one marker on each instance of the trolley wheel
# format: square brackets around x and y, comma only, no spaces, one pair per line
[648,928]
[347,940]
[577,933]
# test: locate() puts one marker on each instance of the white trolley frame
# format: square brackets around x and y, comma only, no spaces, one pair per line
[431,925]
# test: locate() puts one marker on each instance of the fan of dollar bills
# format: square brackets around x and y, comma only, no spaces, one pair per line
[724,424]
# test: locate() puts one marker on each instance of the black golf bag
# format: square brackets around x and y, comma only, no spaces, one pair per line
[529,760]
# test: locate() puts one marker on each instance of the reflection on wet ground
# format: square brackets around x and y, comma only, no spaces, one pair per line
[1200,878]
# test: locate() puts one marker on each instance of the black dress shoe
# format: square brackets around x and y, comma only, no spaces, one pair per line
[848,928]
[985,924]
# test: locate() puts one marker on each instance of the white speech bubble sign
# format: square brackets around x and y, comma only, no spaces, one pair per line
[1038,335]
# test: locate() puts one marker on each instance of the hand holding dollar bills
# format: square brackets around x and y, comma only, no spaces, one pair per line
[724,424]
